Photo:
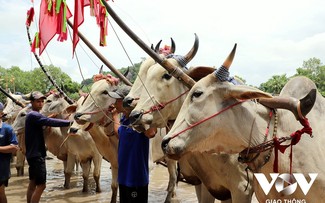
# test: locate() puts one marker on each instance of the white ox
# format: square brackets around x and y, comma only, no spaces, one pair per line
[222,175]
[95,109]
[11,111]
[216,122]
[81,146]
[106,143]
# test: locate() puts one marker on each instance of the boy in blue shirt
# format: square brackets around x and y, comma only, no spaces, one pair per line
[35,146]
[133,154]
[8,145]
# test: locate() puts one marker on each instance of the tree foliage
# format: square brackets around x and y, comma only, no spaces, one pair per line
[275,84]
[16,80]
[312,68]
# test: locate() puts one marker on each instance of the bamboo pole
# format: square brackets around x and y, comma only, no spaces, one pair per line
[10,97]
[101,57]
[174,71]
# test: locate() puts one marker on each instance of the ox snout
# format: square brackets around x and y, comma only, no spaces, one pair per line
[127,102]
[135,117]
[77,118]
[171,152]
[73,130]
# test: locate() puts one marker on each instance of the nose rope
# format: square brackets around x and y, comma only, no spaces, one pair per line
[205,119]
[162,105]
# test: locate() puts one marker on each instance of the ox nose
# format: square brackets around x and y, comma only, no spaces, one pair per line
[127,101]
[135,116]
[77,116]
[164,144]
[73,130]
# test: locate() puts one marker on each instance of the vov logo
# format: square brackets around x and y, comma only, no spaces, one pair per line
[279,181]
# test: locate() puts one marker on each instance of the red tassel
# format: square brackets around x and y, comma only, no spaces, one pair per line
[30,16]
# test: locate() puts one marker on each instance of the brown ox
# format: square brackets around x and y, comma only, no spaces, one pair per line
[105,140]
[81,147]
[231,129]
[222,175]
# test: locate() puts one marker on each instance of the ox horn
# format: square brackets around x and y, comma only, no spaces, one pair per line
[156,49]
[230,58]
[173,47]
[223,72]
[190,55]
[300,108]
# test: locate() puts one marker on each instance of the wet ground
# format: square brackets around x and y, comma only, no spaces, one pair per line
[55,193]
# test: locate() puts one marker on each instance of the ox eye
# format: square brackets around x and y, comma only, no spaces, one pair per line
[23,114]
[196,94]
[48,101]
[105,92]
[166,76]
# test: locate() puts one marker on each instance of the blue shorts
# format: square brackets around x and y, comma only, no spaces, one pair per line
[133,194]
[4,182]
[37,170]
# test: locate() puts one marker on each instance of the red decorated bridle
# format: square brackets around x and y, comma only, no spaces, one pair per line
[162,105]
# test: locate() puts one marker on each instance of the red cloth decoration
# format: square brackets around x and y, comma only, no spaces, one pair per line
[52,22]
[165,50]
[78,20]
[30,16]
[295,138]
[109,78]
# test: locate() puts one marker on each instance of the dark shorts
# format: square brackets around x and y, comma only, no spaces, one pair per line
[37,170]
[133,194]
[4,182]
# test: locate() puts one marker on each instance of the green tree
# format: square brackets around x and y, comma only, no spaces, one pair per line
[275,84]
[314,70]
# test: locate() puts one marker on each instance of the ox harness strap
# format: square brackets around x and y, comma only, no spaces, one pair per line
[275,143]
[160,106]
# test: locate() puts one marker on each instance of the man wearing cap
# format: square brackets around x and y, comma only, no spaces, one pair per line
[8,145]
[35,145]
[133,153]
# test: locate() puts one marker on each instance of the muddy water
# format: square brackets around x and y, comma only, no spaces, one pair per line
[55,193]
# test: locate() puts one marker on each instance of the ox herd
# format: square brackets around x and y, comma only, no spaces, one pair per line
[216,135]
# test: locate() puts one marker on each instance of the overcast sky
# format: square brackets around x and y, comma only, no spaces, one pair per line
[273,37]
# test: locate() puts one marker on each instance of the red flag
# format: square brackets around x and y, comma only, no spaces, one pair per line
[78,20]
[52,21]
[98,10]
[30,16]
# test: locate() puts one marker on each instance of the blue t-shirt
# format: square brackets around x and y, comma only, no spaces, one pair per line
[34,138]
[133,155]
[7,137]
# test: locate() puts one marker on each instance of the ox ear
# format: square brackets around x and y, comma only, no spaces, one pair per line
[71,109]
[246,92]
[200,72]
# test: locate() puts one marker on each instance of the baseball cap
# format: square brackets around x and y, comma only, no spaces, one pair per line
[120,92]
[37,95]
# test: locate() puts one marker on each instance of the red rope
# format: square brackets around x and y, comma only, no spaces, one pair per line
[295,138]
[201,121]
[162,105]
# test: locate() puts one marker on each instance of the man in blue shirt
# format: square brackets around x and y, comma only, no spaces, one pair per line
[8,145]
[35,146]
[133,154]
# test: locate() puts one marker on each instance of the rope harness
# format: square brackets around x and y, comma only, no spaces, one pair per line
[160,106]
[275,142]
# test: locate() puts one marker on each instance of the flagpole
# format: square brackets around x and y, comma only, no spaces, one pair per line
[10,97]
[70,101]
[101,57]
[174,71]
